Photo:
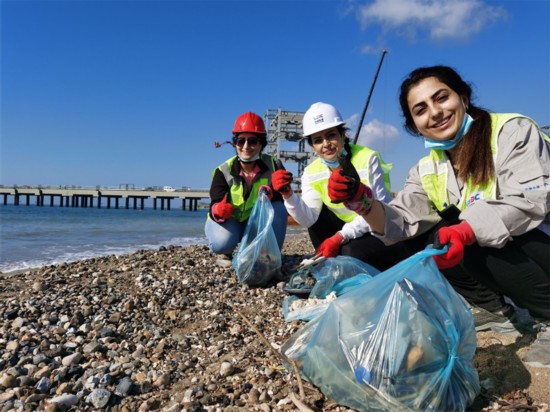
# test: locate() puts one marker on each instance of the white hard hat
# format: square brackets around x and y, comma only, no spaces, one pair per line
[320,116]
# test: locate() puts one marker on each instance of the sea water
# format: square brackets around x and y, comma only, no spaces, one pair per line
[35,236]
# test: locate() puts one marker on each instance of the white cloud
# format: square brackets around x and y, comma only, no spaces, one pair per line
[378,135]
[440,19]
[368,49]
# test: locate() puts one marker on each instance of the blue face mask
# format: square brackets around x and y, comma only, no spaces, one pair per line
[333,164]
[449,144]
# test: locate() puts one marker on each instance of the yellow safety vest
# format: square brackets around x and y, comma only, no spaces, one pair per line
[241,206]
[433,171]
[319,173]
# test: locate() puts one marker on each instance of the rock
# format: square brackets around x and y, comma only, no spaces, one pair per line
[65,401]
[12,346]
[147,331]
[226,369]
[43,385]
[99,398]
[125,387]
[72,359]
[162,380]
[8,381]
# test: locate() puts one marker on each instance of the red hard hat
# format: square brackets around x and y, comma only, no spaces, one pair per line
[249,123]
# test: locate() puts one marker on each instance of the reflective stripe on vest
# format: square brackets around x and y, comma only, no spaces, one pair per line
[433,171]
[241,206]
[319,173]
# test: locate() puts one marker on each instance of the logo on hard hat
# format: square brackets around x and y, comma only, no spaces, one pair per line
[318,119]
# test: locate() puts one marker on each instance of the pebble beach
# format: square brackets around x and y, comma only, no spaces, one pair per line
[168,330]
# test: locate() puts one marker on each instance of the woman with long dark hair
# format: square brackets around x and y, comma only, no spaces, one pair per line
[483,189]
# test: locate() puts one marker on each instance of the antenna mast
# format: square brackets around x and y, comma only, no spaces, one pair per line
[368,97]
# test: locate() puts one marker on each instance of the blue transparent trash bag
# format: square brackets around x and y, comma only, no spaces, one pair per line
[332,276]
[335,275]
[403,340]
[258,259]
[295,308]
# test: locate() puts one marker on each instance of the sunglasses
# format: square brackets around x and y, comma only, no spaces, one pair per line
[252,141]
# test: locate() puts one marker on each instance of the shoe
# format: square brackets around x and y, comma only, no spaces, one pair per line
[224,261]
[538,354]
[500,321]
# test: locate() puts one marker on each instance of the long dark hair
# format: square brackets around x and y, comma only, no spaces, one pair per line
[474,158]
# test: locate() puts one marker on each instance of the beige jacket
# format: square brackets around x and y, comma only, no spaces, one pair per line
[523,203]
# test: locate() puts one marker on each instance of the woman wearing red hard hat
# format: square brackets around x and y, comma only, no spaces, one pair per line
[235,186]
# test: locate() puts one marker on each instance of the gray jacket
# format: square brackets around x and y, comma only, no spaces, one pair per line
[523,203]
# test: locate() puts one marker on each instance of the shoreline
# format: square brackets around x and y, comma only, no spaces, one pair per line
[297,233]
[160,330]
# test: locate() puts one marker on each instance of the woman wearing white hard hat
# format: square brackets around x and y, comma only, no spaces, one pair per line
[333,229]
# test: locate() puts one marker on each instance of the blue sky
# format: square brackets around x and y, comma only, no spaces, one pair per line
[136,92]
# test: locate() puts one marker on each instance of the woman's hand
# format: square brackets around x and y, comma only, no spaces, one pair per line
[456,236]
[281,179]
[331,246]
[222,210]
[267,191]
[344,185]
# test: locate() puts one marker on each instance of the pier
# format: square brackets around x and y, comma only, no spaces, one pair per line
[102,197]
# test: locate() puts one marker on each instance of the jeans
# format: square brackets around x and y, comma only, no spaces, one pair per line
[224,237]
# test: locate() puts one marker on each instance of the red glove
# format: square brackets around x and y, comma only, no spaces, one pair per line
[280,179]
[344,183]
[349,189]
[331,246]
[222,210]
[456,236]
[267,190]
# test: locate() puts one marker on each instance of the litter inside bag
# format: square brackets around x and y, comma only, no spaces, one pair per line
[295,308]
[301,282]
[320,279]
[258,259]
[332,276]
[402,340]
